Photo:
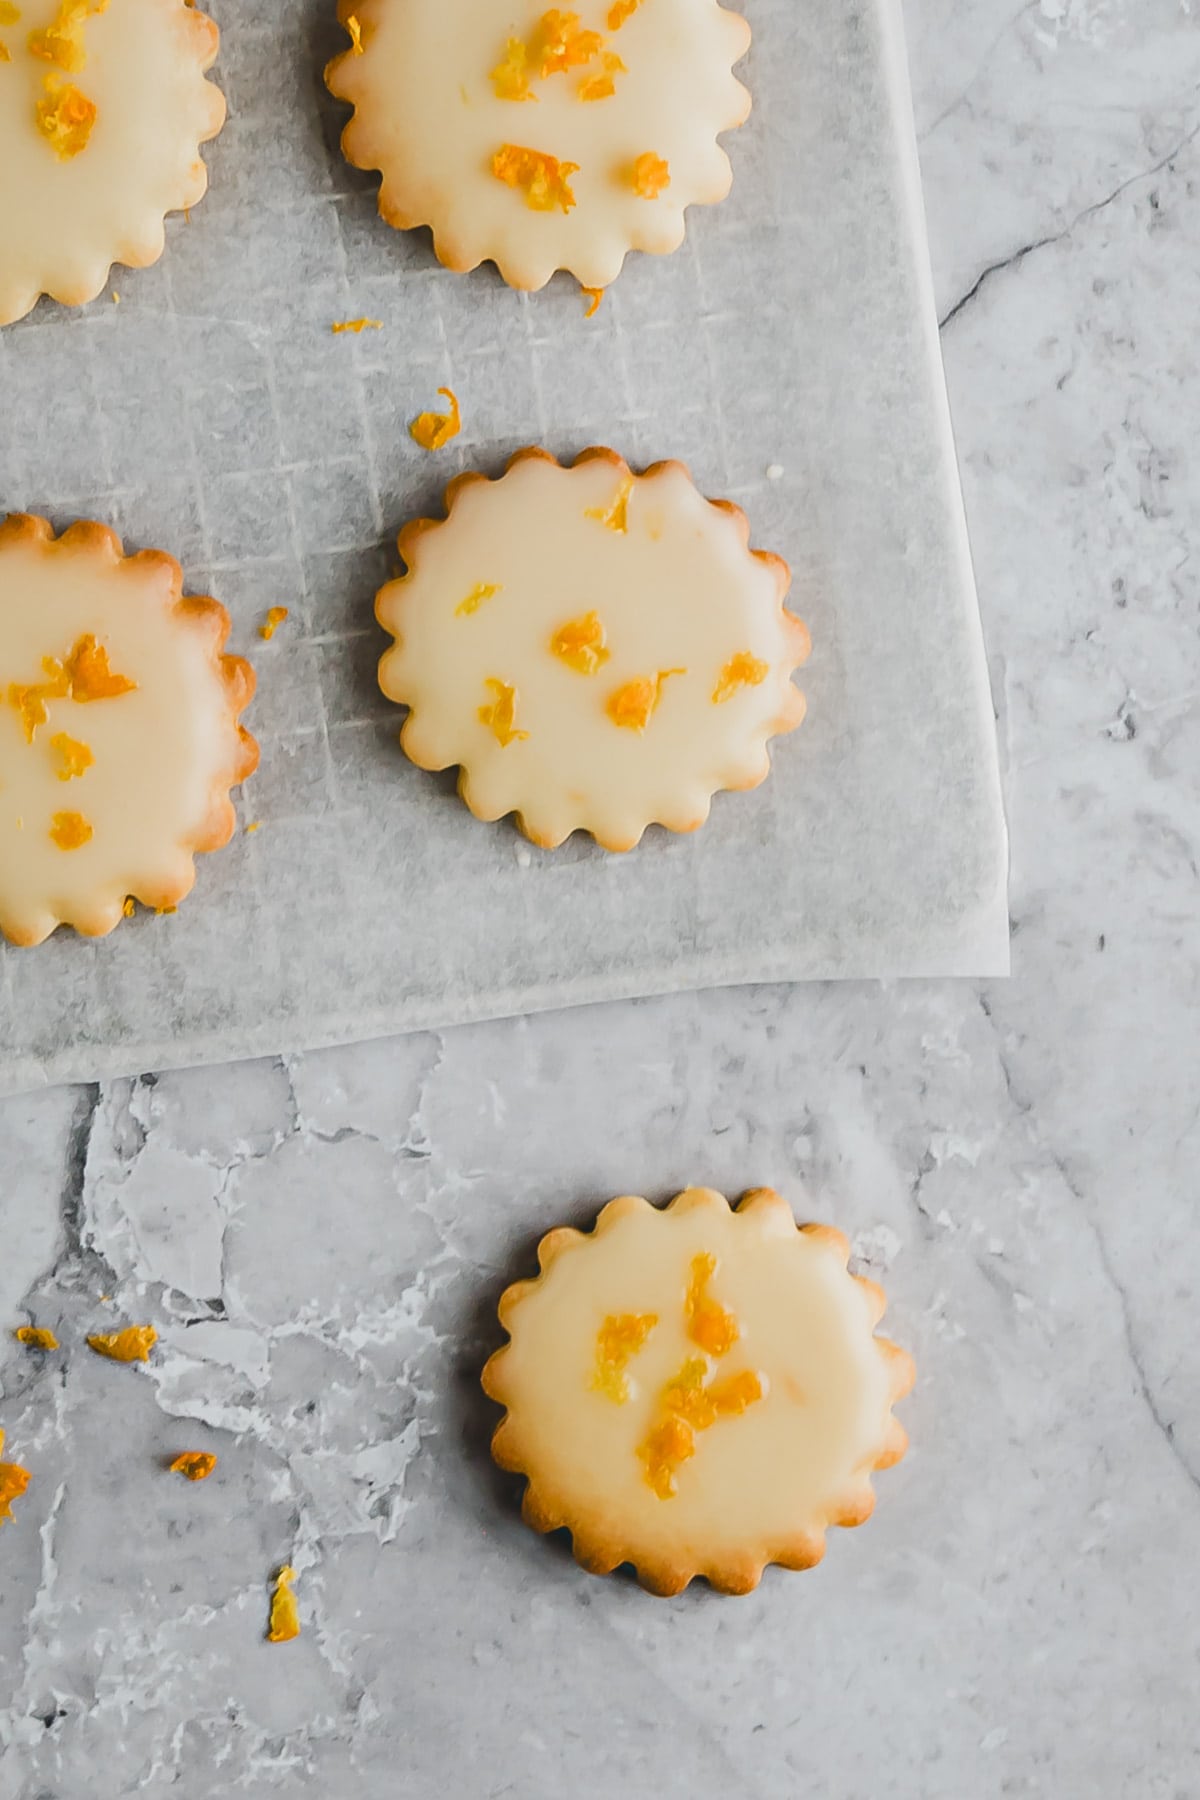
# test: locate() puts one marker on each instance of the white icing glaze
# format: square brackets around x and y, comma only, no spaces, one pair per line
[164,754]
[64,222]
[428,117]
[679,590]
[771,1477]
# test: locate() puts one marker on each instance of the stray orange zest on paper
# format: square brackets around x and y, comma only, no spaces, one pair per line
[742,670]
[65,117]
[432,430]
[256,825]
[76,758]
[13,1482]
[634,705]
[197,1465]
[616,514]
[649,175]
[36,1337]
[501,716]
[357,326]
[270,625]
[133,1344]
[285,1616]
[618,1341]
[594,297]
[483,590]
[542,178]
[71,831]
[582,644]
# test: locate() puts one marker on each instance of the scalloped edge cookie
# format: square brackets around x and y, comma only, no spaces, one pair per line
[209,618]
[388,611]
[597,1543]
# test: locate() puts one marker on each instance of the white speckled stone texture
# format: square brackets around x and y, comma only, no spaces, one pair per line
[321,1240]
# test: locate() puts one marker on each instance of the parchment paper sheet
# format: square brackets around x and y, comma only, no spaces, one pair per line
[212,413]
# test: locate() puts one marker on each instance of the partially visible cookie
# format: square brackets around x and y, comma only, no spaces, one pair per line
[103,108]
[542,139]
[119,733]
[596,650]
[696,1390]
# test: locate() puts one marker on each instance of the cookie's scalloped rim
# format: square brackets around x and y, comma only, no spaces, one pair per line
[170,883]
[599,1551]
[662,235]
[80,287]
[694,813]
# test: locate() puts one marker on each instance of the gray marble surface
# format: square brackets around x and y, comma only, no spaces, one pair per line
[321,1240]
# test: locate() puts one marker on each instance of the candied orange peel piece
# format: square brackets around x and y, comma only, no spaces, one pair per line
[433,430]
[71,831]
[648,175]
[582,644]
[618,1341]
[634,705]
[270,625]
[13,1482]
[36,1337]
[65,117]
[542,178]
[616,514]
[196,1465]
[284,1621]
[500,716]
[132,1344]
[471,603]
[75,758]
[742,670]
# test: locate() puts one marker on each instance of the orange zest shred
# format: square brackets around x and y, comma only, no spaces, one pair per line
[594,297]
[13,1482]
[5,54]
[621,10]
[70,830]
[9,13]
[510,77]
[197,1465]
[471,603]
[270,625]
[65,117]
[355,31]
[664,1453]
[542,178]
[582,644]
[618,1341]
[130,906]
[255,825]
[500,716]
[634,705]
[91,677]
[742,670]
[29,702]
[709,1324]
[285,1616]
[432,430]
[133,1344]
[648,175]
[616,514]
[76,758]
[560,44]
[36,1337]
[603,85]
[61,42]
[357,326]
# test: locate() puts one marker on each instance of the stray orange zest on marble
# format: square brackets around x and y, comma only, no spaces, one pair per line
[433,431]
[357,326]
[130,906]
[285,1616]
[197,1465]
[133,1344]
[594,297]
[36,1337]
[13,1482]
[270,625]
[541,177]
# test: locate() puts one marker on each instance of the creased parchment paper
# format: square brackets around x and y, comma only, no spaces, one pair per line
[788,354]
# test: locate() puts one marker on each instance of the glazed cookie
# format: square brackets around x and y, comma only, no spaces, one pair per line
[119,734]
[696,1390]
[103,108]
[542,140]
[596,650]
